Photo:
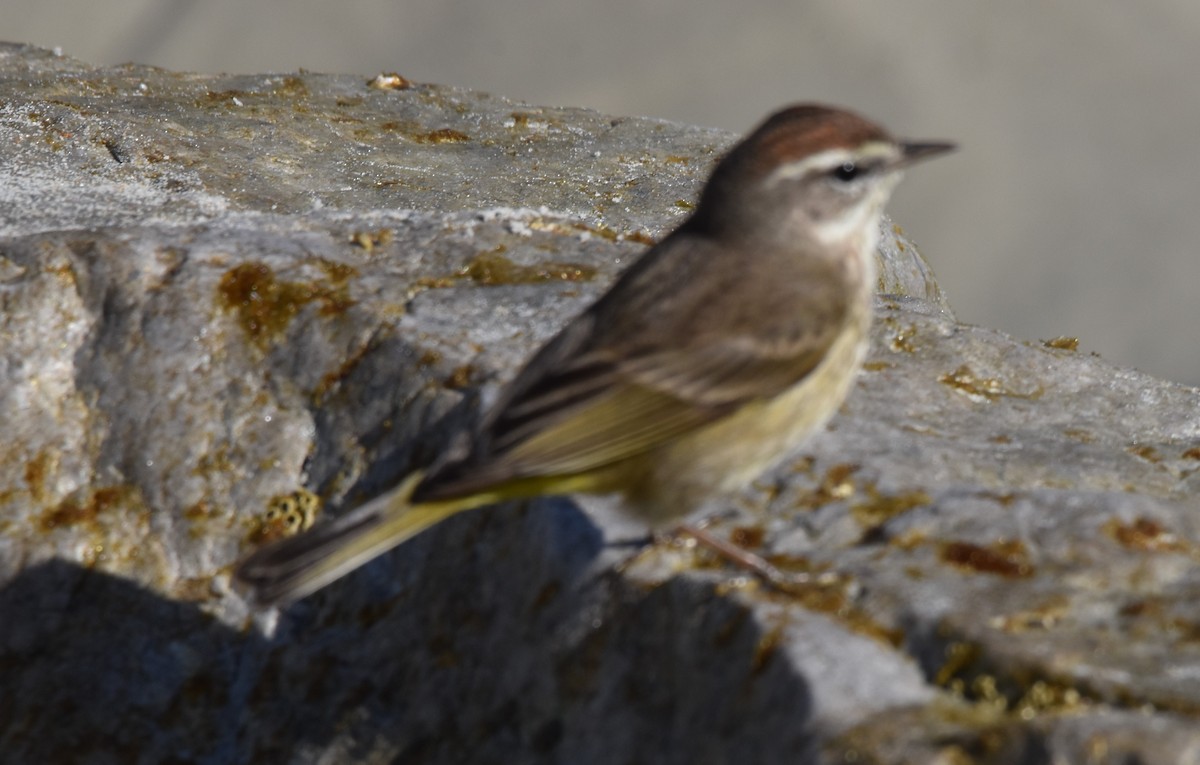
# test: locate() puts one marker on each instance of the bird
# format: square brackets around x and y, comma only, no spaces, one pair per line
[709,360]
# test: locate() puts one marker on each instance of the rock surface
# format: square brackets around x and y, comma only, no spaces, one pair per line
[218,291]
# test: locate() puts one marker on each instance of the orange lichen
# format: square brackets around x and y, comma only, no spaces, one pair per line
[266,305]
[1062,343]
[1007,558]
[86,510]
[1144,534]
[389,81]
[493,268]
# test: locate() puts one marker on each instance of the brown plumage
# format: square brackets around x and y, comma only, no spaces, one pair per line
[720,350]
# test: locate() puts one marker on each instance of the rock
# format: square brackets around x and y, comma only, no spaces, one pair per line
[219,291]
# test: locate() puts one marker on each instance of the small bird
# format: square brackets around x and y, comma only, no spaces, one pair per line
[708,360]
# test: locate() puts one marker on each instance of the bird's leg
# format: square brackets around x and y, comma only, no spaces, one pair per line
[737,555]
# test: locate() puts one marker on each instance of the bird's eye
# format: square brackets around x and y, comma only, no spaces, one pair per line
[846,172]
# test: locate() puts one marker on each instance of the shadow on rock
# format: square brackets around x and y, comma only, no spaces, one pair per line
[493,638]
[97,669]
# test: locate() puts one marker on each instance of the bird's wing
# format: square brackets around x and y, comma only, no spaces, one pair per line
[627,408]
[647,364]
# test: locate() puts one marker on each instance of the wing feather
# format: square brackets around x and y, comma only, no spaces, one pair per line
[645,402]
[641,368]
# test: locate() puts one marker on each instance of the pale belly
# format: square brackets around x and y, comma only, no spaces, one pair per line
[726,456]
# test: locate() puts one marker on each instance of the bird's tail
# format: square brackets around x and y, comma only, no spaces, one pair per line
[293,568]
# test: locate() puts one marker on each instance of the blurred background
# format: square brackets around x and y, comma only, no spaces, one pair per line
[1071,208]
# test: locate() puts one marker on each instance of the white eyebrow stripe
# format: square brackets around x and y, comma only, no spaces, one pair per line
[827,160]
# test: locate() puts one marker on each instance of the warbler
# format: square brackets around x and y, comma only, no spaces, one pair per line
[708,360]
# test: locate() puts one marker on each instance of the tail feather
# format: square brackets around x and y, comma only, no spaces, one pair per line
[293,568]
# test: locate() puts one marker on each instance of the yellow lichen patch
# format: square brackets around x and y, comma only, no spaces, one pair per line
[1045,696]
[1079,434]
[287,515]
[1144,534]
[910,539]
[461,377]
[416,132]
[1062,343]
[37,470]
[193,589]
[816,589]
[200,515]
[64,272]
[640,238]
[967,382]
[389,81]
[959,657]
[965,675]
[1003,498]
[217,460]
[1006,558]
[902,341]
[879,508]
[291,86]
[106,526]
[340,273]
[828,596]
[837,484]
[55,135]
[444,135]
[1040,617]
[604,232]
[429,357]
[198,511]
[1146,452]
[747,536]
[493,268]
[266,305]
[434,282]
[369,240]
[88,510]
[224,98]
[333,378]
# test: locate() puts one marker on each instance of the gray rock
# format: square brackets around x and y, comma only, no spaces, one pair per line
[219,290]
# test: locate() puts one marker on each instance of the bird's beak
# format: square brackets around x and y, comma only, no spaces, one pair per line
[918,151]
